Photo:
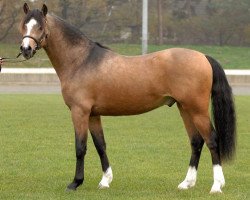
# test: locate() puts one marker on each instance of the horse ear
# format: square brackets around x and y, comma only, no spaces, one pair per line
[44,10]
[26,8]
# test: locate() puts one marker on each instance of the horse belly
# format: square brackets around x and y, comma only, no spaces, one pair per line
[128,106]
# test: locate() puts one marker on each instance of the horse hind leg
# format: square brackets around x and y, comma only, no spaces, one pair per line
[96,131]
[196,142]
[204,126]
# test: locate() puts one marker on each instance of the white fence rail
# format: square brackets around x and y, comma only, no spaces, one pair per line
[48,76]
[52,71]
[45,80]
[28,71]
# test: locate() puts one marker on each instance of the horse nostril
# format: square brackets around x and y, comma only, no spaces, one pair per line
[29,48]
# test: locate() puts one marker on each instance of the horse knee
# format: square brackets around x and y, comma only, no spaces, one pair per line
[81,147]
[81,152]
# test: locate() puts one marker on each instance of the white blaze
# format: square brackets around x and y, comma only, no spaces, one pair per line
[29,25]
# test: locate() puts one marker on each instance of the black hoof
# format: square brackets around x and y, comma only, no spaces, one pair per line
[74,185]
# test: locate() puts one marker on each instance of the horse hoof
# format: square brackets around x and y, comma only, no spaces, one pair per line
[103,186]
[185,185]
[106,179]
[216,188]
[74,185]
[215,191]
[71,187]
[68,189]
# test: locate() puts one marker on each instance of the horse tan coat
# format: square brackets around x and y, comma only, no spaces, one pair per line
[96,81]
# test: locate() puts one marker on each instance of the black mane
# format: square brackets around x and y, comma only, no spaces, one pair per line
[75,35]
[102,46]
[96,51]
[69,31]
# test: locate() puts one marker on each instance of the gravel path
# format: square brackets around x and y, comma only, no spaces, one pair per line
[30,89]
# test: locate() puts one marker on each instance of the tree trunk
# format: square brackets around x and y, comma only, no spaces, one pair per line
[160,28]
[65,7]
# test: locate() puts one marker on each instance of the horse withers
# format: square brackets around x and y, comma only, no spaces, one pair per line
[96,81]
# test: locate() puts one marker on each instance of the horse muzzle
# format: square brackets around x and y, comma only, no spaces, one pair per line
[27,52]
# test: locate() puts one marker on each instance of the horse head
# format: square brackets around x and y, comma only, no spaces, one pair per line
[34,30]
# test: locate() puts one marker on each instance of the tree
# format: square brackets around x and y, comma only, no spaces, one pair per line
[222,22]
[64,4]
[160,24]
[229,20]
[8,17]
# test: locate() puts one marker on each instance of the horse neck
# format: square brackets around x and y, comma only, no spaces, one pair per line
[64,55]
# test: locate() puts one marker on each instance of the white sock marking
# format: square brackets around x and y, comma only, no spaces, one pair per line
[106,179]
[190,179]
[219,180]
[29,25]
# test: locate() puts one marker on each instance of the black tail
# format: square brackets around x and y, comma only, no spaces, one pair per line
[223,111]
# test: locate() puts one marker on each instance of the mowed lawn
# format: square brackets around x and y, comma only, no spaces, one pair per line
[229,57]
[149,154]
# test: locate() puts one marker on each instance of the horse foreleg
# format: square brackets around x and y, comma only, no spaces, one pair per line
[196,142]
[80,120]
[96,131]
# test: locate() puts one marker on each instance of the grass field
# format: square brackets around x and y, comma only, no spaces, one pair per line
[230,57]
[149,154]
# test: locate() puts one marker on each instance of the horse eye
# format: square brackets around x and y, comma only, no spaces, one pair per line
[40,28]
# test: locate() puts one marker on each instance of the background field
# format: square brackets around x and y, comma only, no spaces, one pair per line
[230,57]
[149,154]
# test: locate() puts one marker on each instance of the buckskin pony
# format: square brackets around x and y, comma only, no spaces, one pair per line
[96,81]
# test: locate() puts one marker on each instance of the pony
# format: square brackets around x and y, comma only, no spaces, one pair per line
[96,81]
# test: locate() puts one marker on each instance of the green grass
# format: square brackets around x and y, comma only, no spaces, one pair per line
[230,57]
[149,154]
